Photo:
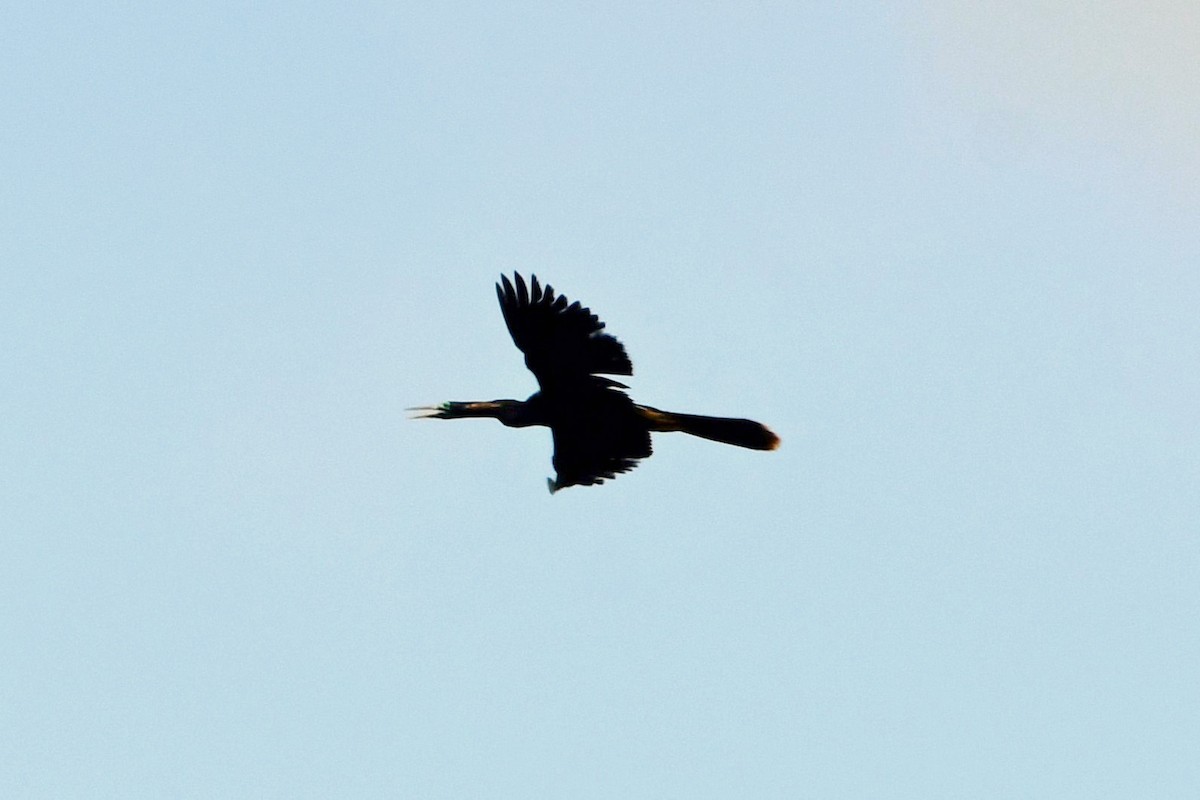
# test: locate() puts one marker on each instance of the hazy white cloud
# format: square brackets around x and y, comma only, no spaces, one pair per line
[1109,73]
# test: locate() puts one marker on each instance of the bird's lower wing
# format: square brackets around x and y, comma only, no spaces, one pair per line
[587,456]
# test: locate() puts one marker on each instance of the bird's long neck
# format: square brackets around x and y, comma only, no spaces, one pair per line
[512,413]
[475,408]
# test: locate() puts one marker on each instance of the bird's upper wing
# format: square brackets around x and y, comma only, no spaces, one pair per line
[562,342]
[601,442]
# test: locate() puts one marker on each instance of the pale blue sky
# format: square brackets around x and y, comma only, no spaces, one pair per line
[948,251]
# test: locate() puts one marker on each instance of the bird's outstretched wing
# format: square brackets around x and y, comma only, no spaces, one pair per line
[563,342]
[600,442]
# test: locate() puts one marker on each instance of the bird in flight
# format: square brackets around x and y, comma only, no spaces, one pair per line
[598,430]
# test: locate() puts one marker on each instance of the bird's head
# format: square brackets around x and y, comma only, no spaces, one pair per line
[507,411]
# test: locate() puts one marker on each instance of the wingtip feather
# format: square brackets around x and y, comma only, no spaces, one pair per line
[522,290]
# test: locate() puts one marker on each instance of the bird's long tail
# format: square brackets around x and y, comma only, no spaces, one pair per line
[740,432]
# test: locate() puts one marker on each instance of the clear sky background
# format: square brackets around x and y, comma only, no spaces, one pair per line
[949,251]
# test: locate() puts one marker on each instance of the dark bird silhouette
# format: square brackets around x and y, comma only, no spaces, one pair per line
[598,430]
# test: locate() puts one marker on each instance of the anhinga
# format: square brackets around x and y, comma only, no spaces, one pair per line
[598,430]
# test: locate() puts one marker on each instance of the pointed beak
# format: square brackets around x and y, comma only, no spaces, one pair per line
[427,412]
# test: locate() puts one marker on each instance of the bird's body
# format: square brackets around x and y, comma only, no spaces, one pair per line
[598,430]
